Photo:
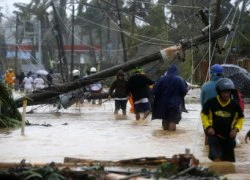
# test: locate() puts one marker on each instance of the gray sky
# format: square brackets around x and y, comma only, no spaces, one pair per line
[7,6]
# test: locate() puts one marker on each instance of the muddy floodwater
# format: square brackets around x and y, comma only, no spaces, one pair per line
[94,132]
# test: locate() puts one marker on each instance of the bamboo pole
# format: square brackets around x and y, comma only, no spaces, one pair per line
[23,116]
[0,109]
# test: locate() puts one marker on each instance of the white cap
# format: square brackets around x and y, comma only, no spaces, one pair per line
[76,72]
[93,69]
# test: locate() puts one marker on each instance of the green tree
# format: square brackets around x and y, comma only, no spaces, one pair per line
[3,52]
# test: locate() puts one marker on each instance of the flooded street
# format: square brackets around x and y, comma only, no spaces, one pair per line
[93,132]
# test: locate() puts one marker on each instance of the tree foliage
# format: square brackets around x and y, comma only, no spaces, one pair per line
[147,25]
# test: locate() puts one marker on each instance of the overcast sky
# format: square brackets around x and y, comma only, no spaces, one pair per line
[7,6]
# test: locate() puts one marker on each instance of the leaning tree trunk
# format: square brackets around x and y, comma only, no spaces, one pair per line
[60,89]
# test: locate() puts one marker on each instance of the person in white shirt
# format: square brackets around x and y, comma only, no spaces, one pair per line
[28,81]
[39,83]
[96,87]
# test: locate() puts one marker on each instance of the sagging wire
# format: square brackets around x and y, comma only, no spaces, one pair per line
[236,27]
[210,62]
[192,62]
[214,48]
[226,17]
[21,50]
[96,24]
[209,41]
[92,22]
[137,17]
[129,34]
[199,122]
[146,37]
[210,57]
[191,76]
[143,41]
[33,58]
[101,26]
[153,15]
[246,38]
[163,4]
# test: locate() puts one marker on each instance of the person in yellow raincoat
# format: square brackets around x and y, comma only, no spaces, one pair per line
[10,78]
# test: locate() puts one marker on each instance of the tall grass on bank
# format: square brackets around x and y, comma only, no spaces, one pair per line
[9,116]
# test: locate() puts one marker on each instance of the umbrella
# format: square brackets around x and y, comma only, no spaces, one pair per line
[239,76]
[42,72]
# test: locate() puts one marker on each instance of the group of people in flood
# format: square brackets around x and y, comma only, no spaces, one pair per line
[26,83]
[222,105]
[168,94]
[222,112]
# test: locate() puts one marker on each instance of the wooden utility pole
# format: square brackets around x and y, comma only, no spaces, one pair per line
[125,56]
[40,43]
[61,52]
[16,47]
[72,40]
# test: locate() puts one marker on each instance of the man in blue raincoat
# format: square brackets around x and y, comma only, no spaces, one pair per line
[208,89]
[169,92]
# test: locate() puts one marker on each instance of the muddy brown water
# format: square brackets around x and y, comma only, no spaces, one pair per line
[93,132]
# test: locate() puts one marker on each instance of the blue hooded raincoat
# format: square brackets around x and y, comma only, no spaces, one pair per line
[169,92]
[208,89]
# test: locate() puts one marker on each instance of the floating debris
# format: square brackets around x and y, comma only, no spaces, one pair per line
[27,123]
[179,166]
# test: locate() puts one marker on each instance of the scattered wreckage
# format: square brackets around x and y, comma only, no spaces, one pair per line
[181,166]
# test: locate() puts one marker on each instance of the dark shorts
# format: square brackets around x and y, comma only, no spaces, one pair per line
[142,107]
[120,104]
[222,149]
[172,115]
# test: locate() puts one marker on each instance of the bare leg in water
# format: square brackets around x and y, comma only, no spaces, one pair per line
[137,116]
[145,115]
[170,126]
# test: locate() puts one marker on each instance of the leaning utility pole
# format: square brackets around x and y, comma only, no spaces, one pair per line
[162,55]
